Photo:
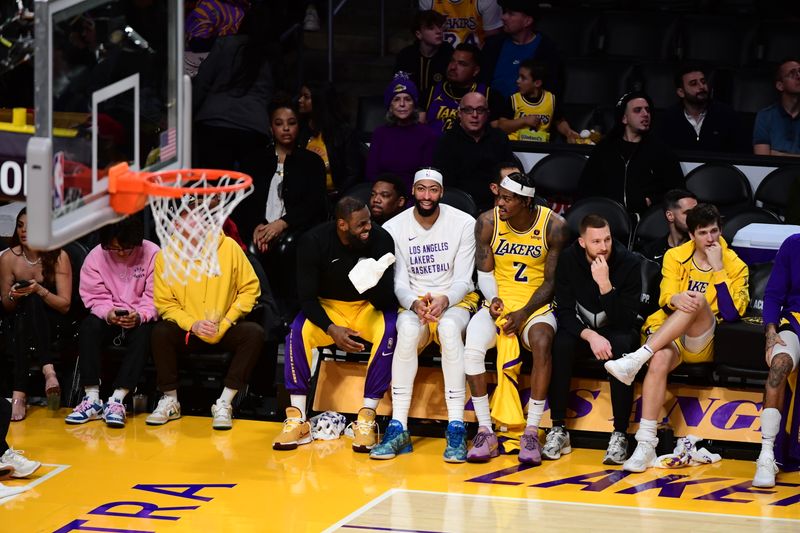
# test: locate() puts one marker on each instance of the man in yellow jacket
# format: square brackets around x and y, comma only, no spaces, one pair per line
[704,282]
[200,313]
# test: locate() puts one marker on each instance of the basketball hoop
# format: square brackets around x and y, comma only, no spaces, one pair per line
[189,207]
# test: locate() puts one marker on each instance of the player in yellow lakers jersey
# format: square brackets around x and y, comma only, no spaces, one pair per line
[516,251]
[703,282]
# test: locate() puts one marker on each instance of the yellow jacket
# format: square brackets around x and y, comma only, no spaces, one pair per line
[679,270]
[232,294]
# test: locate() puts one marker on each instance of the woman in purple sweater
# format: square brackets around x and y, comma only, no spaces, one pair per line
[403,145]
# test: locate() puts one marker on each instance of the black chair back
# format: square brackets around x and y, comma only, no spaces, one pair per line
[653,225]
[722,185]
[460,200]
[558,173]
[752,215]
[611,210]
[651,287]
[360,191]
[775,189]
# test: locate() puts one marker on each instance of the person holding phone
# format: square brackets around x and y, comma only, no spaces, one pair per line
[36,289]
[116,285]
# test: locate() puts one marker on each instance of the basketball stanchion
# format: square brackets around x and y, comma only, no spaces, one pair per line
[189,208]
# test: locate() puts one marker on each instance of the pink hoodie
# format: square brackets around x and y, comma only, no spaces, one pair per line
[107,282]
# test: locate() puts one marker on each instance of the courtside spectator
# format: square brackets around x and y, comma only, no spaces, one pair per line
[402,145]
[630,165]
[426,60]
[468,22]
[677,203]
[699,122]
[208,20]
[386,198]
[777,127]
[116,286]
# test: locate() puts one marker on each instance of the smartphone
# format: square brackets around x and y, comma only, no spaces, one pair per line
[121,312]
[21,284]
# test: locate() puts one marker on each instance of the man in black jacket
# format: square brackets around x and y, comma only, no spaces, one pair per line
[598,287]
[336,309]
[630,165]
[697,122]
[427,59]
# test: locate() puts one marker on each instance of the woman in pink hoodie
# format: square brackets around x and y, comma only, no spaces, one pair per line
[116,285]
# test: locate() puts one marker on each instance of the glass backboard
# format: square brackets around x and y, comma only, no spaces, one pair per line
[109,88]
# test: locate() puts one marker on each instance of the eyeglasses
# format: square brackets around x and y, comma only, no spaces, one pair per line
[474,110]
[118,249]
[794,73]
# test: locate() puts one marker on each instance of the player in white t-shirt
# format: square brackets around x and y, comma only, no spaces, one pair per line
[435,253]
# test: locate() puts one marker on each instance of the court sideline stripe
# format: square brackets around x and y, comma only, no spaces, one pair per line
[361,510]
[38,481]
[625,507]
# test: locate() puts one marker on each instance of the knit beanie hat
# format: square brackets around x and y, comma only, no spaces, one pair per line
[400,84]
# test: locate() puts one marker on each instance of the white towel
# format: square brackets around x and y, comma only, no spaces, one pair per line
[687,454]
[367,273]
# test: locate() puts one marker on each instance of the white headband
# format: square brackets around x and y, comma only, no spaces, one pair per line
[517,188]
[428,174]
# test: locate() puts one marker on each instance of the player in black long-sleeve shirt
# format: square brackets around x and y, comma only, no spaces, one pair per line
[598,287]
[334,312]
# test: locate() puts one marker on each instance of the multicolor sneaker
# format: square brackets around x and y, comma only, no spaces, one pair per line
[456,437]
[396,441]
[484,447]
[365,431]
[114,414]
[167,409]
[87,410]
[556,444]
[296,431]
[530,449]
[617,450]
[23,467]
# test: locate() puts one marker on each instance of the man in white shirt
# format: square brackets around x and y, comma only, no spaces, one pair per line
[435,254]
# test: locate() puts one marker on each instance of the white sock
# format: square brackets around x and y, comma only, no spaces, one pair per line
[372,403]
[401,403]
[455,399]
[172,394]
[119,395]
[535,411]
[93,392]
[481,405]
[227,395]
[770,426]
[299,401]
[647,431]
[645,353]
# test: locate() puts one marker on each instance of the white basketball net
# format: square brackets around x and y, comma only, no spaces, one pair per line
[189,227]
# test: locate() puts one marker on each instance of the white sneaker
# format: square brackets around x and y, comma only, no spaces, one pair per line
[311,20]
[626,367]
[766,470]
[167,409]
[22,467]
[222,412]
[644,456]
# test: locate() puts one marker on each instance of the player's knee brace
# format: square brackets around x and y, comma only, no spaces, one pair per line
[450,339]
[408,333]
[474,361]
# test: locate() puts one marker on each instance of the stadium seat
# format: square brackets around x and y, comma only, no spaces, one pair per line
[656,79]
[777,40]
[722,185]
[717,39]
[739,346]
[752,215]
[460,200]
[752,90]
[639,35]
[653,225]
[611,210]
[371,114]
[360,191]
[595,83]
[558,173]
[774,191]
[574,31]
[651,287]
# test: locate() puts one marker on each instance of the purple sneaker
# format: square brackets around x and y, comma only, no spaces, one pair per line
[484,447]
[530,450]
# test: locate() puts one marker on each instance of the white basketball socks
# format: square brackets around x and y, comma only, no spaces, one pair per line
[481,405]
[770,426]
[647,431]
[535,411]
[93,392]
[299,401]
